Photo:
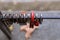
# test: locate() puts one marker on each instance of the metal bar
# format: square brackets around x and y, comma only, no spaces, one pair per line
[7,27]
[5,31]
[45,14]
[50,17]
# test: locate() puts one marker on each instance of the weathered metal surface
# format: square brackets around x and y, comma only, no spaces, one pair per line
[48,30]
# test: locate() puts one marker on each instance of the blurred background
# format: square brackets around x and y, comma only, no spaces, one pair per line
[39,5]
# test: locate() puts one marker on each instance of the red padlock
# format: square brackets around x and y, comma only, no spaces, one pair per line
[32,16]
[33,21]
[36,23]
